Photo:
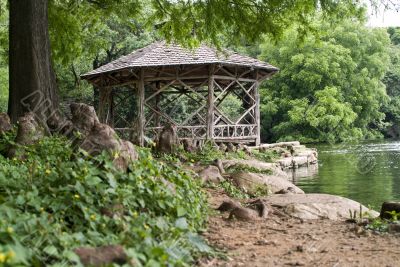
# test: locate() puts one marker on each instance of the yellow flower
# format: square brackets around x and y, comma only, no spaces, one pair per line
[2,257]
[93,217]
[192,160]
[10,230]
[116,155]
[146,226]
[41,209]
[14,159]
[135,214]
[48,171]
[10,254]
[76,196]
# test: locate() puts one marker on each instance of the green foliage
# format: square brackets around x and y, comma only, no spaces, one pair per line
[266,156]
[52,202]
[230,189]
[246,168]
[329,87]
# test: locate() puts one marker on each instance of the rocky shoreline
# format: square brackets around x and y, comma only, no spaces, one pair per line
[276,227]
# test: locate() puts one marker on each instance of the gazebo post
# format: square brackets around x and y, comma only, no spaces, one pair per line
[110,112]
[103,99]
[257,109]
[210,104]
[141,119]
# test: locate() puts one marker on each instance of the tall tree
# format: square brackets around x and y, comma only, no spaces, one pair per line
[32,79]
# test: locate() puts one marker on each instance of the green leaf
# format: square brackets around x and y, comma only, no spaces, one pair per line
[181,223]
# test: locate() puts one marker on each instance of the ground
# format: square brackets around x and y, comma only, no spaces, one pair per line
[286,241]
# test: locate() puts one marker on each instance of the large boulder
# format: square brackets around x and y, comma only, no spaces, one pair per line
[29,130]
[5,123]
[211,174]
[317,206]
[96,137]
[84,117]
[168,139]
[254,182]
[103,137]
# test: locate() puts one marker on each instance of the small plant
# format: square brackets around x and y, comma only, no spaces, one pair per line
[267,156]
[245,168]
[395,215]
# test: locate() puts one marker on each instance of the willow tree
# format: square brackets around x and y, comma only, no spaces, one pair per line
[32,79]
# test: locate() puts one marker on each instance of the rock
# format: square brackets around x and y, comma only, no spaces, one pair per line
[247,150]
[188,145]
[253,182]
[84,117]
[113,211]
[101,256]
[103,137]
[211,174]
[58,124]
[168,139]
[222,147]
[244,214]
[230,148]
[263,166]
[394,228]
[220,166]
[5,123]
[264,147]
[317,206]
[387,208]
[29,130]
[289,190]
[127,154]
[228,205]
[260,206]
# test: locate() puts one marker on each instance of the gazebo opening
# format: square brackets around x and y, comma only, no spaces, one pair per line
[206,94]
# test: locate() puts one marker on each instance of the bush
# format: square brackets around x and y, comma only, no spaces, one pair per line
[54,200]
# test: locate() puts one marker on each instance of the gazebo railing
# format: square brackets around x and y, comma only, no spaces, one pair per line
[220,132]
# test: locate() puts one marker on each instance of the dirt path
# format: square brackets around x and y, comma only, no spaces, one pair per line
[286,241]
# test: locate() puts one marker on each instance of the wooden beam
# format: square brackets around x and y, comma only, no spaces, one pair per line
[141,102]
[110,112]
[210,103]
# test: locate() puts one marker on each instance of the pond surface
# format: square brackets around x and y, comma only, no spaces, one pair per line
[366,172]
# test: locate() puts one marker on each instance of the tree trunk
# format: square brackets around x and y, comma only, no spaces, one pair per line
[32,79]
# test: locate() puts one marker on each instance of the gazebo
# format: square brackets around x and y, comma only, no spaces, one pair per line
[166,84]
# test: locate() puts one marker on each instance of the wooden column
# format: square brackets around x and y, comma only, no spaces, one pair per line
[257,110]
[103,99]
[110,112]
[140,118]
[210,104]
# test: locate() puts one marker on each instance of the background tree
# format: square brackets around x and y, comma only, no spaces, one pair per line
[184,21]
[329,86]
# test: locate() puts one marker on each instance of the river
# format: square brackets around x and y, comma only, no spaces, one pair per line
[367,172]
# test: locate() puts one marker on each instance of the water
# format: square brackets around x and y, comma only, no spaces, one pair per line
[368,172]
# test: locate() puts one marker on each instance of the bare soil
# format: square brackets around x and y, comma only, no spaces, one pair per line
[281,240]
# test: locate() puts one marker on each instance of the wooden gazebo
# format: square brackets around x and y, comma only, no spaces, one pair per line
[162,76]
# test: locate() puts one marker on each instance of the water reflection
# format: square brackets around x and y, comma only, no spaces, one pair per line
[367,172]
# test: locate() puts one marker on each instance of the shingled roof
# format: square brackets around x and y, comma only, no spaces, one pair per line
[162,54]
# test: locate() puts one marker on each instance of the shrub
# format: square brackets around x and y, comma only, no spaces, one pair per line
[54,200]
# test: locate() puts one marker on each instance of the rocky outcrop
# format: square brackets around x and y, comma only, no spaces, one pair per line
[317,206]
[253,183]
[211,174]
[96,137]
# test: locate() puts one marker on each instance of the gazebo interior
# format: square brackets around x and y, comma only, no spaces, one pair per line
[205,93]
